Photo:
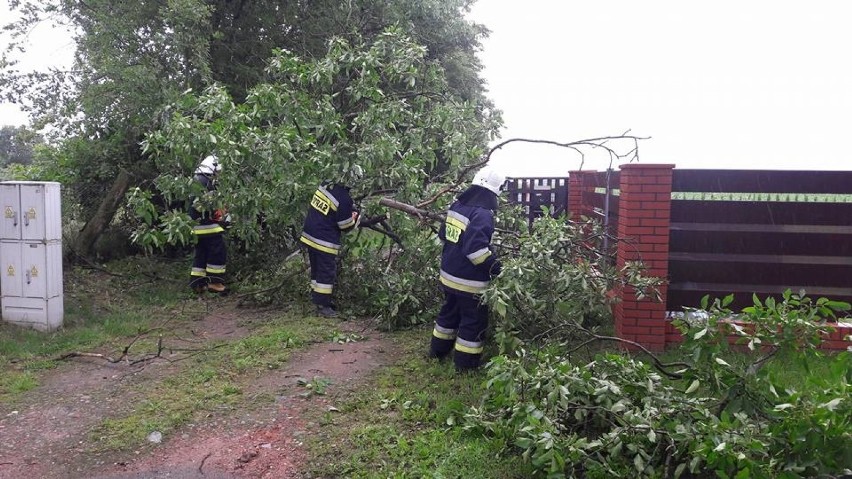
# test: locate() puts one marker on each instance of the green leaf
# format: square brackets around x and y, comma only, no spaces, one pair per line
[693,387]
[722,362]
[638,462]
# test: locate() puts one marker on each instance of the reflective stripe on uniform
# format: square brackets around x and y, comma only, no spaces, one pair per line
[319,244]
[321,288]
[441,332]
[466,285]
[346,223]
[215,268]
[469,347]
[330,197]
[207,229]
[478,257]
[458,220]
[198,272]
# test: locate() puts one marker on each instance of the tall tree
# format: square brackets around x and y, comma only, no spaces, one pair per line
[17,144]
[133,59]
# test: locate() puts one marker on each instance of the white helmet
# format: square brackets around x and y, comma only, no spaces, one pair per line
[489,178]
[209,166]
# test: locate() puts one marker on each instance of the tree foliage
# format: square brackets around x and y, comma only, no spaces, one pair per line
[618,417]
[133,59]
[17,144]
[380,104]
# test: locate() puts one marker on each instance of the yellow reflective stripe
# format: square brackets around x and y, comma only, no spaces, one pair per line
[198,272]
[458,216]
[479,257]
[461,284]
[458,224]
[321,290]
[324,194]
[468,349]
[346,223]
[461,287]
[207,231]
[213,270]
[440,335]
[318,246]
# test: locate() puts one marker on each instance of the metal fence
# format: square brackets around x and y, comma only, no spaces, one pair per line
[744,232]
[534,193]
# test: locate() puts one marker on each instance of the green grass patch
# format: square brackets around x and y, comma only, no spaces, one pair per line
[102,311]
[14,382]
[212,383]
[168,405]
[403,423]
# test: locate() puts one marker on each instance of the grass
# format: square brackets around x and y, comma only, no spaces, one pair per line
[211,385]
[101,312]
[404,423]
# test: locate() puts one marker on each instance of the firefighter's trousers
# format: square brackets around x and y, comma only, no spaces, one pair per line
[323,276]
[460,326]
[208,266]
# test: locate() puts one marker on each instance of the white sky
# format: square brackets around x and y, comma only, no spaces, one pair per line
[723,84]
[46,46]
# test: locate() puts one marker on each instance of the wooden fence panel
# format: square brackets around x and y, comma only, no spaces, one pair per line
[763,247]
[762,181]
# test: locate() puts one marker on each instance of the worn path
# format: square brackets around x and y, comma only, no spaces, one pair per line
[48,435]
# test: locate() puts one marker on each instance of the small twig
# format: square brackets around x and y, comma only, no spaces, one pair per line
[200,466]
[755,366]
[77,354]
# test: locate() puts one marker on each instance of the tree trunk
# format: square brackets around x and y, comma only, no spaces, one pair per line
[102,218]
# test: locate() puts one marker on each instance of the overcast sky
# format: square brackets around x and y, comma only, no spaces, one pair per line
[722,84]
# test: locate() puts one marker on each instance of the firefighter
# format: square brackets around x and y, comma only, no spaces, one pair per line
[468,262]
[331,212]
[208,266]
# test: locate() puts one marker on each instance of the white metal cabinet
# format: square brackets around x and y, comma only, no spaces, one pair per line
[31,254]
[31,211]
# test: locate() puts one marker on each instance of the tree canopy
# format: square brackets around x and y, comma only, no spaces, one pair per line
[134,59]
[17,144]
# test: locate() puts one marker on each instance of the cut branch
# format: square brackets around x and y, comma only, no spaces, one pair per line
[411,210]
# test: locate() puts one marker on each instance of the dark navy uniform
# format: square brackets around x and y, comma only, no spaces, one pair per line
[467,265]
[208,267]
[329,215]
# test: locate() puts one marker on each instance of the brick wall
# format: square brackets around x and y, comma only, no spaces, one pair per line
[578,183]
[644,214]
[643,228]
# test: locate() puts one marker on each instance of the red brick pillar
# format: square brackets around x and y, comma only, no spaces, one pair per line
[644,214]
[578,183]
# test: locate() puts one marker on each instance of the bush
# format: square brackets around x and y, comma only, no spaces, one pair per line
[618,417]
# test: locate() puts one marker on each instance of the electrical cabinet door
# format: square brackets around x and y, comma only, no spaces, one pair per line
[10,256]
[32,212]
[34,276]
[10,201]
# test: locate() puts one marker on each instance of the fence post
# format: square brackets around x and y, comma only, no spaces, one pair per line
[578,183]
[644,215]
